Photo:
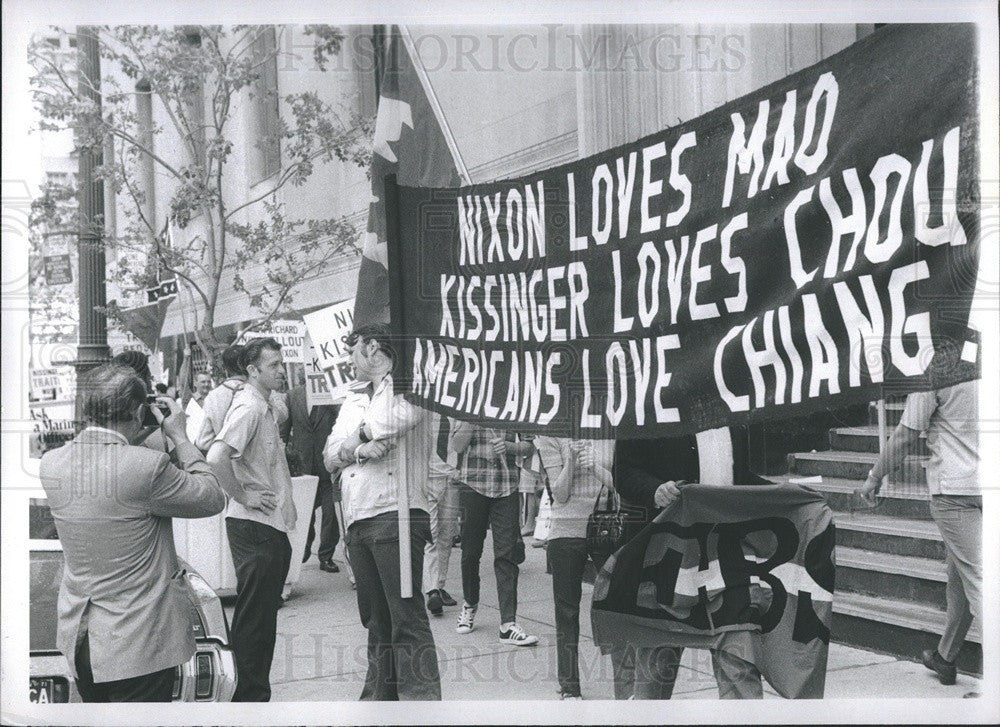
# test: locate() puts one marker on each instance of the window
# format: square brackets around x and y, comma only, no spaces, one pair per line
[267,150]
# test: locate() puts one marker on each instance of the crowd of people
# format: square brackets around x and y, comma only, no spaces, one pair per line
[113,489]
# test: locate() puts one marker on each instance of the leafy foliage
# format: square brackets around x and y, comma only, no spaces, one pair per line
[169,103]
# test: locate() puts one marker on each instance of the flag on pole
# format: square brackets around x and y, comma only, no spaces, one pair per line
[145,322]
[744,569]
[412,142]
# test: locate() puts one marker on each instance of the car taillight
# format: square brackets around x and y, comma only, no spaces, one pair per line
[178,679]
[205,676]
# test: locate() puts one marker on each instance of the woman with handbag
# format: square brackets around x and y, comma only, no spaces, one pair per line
[578,472]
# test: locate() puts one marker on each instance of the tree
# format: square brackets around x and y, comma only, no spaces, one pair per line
[196,78]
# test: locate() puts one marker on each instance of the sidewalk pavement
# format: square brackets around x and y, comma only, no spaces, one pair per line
[320,653]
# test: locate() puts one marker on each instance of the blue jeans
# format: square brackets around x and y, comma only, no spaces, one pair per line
[402,660]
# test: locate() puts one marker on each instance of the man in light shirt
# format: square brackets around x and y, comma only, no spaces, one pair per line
[381,441]
[248,457]
[950,416]
[219,399]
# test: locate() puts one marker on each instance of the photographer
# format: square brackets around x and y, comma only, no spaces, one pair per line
[124,622]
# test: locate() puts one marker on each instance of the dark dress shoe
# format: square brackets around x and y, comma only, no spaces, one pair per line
[944,669]
[434,603]
[329,566]
[446,598]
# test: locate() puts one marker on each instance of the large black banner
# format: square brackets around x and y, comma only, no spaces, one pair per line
[795,249]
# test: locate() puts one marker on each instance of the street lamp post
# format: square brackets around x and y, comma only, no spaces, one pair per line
[92,349]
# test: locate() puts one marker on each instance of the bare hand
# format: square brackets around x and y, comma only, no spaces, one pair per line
[666,494]
[499,446]
[175,423]
[262,500]
[374,450]
[585,458]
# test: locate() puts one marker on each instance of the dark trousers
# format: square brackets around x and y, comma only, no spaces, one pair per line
[155,687]
[261,556]
[567,557]
[502,516]
[402,660]
[329,529]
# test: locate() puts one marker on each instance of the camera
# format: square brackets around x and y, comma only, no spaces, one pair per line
[148,418]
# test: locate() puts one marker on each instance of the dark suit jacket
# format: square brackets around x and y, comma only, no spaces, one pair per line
[306,432]
[642,465]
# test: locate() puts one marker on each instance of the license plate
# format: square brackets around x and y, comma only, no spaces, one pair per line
[45,690]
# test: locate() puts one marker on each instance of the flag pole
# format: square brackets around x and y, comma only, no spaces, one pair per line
[432,98]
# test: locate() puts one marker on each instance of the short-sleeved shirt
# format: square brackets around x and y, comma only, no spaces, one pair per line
[259,460]
[216,405]
[950,416]
[569,519]
[492,476]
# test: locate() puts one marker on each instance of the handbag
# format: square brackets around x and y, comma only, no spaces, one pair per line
[609,529]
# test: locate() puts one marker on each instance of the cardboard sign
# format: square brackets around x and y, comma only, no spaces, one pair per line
[329,329]
[320,386]
[290,334]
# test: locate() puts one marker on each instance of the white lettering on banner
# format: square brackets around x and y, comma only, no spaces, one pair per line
[525,233]
[746,154]
[866,333]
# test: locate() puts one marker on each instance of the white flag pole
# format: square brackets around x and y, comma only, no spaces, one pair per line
[425,81]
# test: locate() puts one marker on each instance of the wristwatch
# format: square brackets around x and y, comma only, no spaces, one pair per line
[362,436]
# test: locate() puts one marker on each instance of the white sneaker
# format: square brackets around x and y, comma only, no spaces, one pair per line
[466,619]
[515,635]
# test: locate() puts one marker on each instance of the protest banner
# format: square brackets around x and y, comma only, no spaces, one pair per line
[795,249]
[290,334]
[746,569]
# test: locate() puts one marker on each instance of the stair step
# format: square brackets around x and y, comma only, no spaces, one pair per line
[865,439]
[915,616]
[901,577]
[905,500]
[851,465]
[900,628]
[887,534]
[893,412]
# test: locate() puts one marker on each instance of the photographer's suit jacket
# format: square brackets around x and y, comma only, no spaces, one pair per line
[112,503]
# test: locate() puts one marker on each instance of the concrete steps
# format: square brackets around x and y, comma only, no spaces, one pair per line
[852,465]
[863,439]
[900,628]
[900,499]
[891,577]
[891,535]
[899,577]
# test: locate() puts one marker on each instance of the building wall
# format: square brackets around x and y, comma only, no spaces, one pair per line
[523,98]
